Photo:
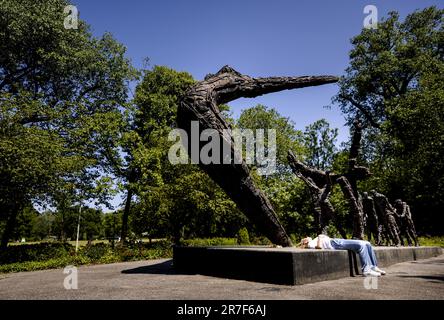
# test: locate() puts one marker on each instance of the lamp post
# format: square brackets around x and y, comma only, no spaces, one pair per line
[78,227]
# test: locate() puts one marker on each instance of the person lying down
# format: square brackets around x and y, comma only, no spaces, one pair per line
[363,248]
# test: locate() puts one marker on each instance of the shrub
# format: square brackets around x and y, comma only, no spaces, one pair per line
[242,237]
[261,241]
[35,252]
[209,242]
[95,251]
[31,257]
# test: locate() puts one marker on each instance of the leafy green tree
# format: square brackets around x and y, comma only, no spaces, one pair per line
[112,224]
[25,222]
[286,193]
[287,137]
[292,202]
[320,142]
[57,89]
[135,153]
[42,226]
[395,84]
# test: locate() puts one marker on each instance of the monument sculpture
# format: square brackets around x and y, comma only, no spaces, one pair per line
[200,103]
[388,213]
[320,191]
[406,222]
[318,182]
[373,226]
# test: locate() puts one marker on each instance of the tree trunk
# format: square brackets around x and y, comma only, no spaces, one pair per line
[10,226]
[200,103]
[125,215]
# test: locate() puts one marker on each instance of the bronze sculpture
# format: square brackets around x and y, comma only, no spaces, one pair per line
[200,103]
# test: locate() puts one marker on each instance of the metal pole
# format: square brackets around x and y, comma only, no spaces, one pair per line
[78,227]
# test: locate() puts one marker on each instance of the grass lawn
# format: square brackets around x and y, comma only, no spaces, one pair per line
[432,241]
[81,242]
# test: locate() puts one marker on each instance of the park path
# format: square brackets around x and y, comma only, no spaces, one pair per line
[155,279]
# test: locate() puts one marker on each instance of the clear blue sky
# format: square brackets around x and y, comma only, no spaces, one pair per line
[258,38]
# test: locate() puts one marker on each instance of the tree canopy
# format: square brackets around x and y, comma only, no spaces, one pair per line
[395,85]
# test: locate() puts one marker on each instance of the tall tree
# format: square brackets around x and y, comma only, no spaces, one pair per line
[287,137]
[320,141]
[57,86]
[135,154]
[395,84]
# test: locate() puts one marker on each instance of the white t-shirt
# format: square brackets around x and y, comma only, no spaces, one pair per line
[324,243]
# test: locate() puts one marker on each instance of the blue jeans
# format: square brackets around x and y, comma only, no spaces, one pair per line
[363,248]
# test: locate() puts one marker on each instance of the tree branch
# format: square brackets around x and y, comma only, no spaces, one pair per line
[361,108]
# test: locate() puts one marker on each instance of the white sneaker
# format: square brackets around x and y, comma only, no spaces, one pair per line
[371,273]
[379,270]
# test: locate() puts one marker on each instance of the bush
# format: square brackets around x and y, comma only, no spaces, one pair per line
[242,237]
[35,252]
[31,257]
[95,251]
[140,251]
[261,241]
[35,265]
[199,242]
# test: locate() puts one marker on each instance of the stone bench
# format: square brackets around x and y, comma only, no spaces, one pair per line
[289,266]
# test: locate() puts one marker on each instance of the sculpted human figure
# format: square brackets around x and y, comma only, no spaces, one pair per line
[371,218]
[320,185]
[406,222]
[388,213]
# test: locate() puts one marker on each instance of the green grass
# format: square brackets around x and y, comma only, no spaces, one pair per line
[82,243]
[432,241]
[41,256]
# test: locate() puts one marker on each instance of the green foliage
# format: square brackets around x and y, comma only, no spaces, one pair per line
[57,87]
[95,252]
[288,194]
[287,137]
[34,252]
[59,255]
[37,265]
[112,224]
[395,83]
[242,237]
[182,201]
[320,142]
[292,203]
[201,242]
[432,241]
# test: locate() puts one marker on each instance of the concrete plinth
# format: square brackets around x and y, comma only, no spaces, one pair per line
[290,266]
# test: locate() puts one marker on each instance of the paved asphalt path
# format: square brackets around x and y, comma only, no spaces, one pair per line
[155,279]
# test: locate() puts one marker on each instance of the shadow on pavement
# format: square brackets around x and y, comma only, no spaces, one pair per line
[159,268]
[441,261]
[437,278]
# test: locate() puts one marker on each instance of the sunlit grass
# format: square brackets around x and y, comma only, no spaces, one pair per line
[432,241]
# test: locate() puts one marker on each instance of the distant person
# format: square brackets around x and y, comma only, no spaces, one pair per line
[363,248]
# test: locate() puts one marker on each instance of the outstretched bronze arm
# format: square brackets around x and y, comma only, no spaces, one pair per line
[200,103]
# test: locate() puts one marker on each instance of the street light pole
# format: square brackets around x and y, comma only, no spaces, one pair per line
[78,227]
